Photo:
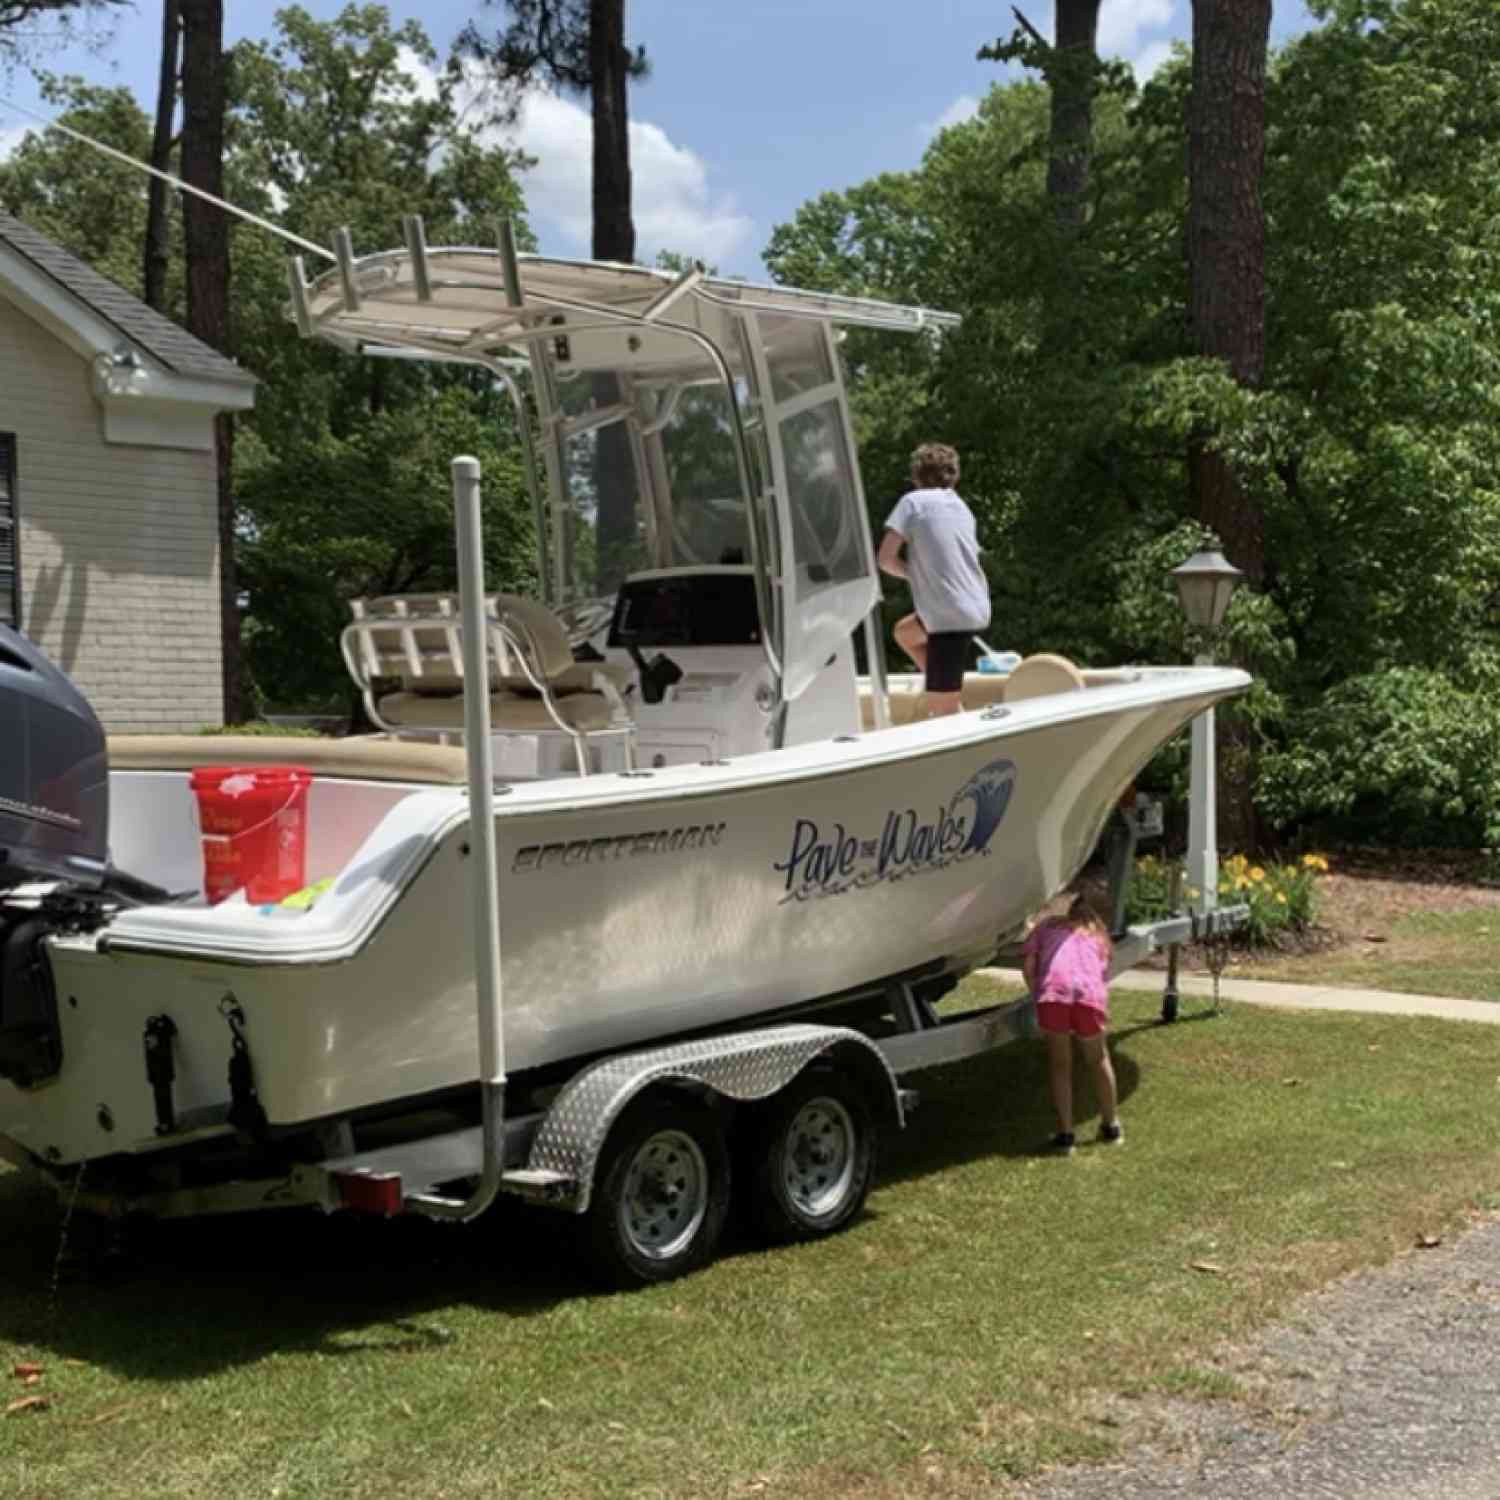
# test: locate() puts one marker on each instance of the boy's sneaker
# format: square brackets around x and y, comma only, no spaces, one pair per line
[1112,1135]
[1061,1144]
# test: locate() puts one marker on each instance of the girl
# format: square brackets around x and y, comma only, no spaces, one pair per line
[1066,964]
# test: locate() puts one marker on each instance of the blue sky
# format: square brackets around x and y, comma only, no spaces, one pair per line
[752,108]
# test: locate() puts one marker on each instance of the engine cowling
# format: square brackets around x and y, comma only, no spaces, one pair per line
[54,773]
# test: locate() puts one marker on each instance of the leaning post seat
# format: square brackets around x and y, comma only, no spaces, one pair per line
[534,681]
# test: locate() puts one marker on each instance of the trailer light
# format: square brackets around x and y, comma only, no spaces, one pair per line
[370,1192]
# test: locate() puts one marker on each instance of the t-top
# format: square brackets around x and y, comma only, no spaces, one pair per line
[1072,964]
[948,587]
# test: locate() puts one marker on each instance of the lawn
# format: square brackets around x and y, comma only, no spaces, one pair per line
[980,1321]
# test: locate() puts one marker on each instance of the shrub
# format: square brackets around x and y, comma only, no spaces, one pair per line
[1403,756]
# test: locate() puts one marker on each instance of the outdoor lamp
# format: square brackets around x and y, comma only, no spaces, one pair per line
[1205,584]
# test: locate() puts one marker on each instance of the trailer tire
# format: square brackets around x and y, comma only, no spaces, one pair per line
[661,1193]
[811,1157]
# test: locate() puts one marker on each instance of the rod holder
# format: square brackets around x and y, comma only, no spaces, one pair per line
[510,263]
[416,249]
[301,309]
[343,253]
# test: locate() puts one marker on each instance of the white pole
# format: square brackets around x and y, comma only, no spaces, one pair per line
[1203,810]
[486,891]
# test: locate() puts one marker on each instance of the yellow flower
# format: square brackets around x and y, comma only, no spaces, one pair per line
[1281,898]
[1257,873]
[1314,862]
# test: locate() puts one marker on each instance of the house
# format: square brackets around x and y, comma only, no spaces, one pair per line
[109,531]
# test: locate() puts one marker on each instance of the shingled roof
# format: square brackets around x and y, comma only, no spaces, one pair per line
[159,336]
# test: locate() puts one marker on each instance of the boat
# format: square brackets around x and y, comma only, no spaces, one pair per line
[680,807]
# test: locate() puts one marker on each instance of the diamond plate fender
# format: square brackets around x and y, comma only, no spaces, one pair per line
[744,1067]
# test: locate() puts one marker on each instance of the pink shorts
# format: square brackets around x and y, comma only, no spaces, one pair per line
[1060,1017]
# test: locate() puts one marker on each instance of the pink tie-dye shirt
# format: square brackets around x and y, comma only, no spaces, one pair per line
[1072,964]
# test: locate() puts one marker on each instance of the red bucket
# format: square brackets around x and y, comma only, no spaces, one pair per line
[254,825]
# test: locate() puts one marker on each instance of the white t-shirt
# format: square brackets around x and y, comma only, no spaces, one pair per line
[948,587]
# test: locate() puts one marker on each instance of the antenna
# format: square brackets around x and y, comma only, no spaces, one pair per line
[176,182]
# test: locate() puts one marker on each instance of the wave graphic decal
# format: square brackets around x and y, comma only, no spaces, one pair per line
[988,791]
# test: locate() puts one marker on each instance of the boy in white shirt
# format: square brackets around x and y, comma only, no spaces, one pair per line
[941,563]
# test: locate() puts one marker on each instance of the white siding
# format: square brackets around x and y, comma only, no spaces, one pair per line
[119,545]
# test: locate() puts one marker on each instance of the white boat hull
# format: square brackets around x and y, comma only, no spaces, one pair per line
[631,909]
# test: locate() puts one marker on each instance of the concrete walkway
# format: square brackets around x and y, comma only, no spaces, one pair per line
[1298,996]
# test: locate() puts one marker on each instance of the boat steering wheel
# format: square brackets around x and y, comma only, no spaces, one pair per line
[582,619]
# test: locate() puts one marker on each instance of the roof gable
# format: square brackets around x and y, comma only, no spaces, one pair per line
[173,347]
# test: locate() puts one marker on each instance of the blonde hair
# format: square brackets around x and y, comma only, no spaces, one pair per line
[935,466]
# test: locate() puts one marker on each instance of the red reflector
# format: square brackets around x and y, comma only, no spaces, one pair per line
[370,1192]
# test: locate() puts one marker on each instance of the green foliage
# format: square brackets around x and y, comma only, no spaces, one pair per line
[1072,391]
[1403,756]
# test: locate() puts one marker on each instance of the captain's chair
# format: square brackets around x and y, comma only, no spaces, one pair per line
[536,687]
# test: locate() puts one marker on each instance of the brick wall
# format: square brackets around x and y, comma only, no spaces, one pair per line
[119,545]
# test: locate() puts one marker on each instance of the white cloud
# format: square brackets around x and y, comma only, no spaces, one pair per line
[965,107]
[1122,22]
[1151,57]
[673,203]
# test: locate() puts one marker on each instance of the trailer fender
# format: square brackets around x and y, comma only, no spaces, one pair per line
[744,1067]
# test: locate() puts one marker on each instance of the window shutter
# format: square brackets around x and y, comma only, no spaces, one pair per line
[10,527]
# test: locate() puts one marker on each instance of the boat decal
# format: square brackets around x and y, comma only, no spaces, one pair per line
[575,852]
[830,860]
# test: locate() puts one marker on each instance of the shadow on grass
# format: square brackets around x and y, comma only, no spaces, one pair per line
[195,1296]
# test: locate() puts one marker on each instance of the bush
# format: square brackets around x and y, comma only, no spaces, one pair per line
[1403,757]
[263,730]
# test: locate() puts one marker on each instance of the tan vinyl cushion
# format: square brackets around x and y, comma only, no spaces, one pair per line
[1040,675]
[509,712]
[358,758]
[980,690]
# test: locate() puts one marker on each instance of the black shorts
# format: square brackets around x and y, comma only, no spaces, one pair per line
[947,657]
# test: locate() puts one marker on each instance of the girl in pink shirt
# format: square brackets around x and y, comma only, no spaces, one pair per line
[1066,964]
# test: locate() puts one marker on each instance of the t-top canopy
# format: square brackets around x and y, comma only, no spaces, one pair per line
[468,301]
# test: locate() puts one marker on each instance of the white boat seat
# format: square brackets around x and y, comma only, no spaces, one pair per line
[510,713]
[537,686]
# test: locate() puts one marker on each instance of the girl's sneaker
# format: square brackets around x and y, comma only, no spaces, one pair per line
[1112,1135]
[1061,1144]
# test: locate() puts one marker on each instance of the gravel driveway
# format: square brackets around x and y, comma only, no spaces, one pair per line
[1385,1384]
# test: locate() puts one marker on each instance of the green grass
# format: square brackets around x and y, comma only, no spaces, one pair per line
[1455,954]
[967,1328]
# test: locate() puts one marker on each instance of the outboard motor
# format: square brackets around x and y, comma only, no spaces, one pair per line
[54,830]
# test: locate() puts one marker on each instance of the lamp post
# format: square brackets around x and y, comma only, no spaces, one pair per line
[1205,584]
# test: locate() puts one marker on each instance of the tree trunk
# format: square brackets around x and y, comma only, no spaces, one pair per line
[157,250]
[609,63]
[206,238]
[1071,83]
[1226,243]
[1226,240]
[614,239]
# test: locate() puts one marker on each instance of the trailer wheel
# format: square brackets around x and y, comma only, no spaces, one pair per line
[811,1157]
[661,1194]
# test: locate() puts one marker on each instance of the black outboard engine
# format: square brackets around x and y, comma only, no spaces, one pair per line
[54,831]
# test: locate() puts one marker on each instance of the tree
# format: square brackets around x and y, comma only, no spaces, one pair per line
[17,44]
[206,239]
[158,250]
[1226,240]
